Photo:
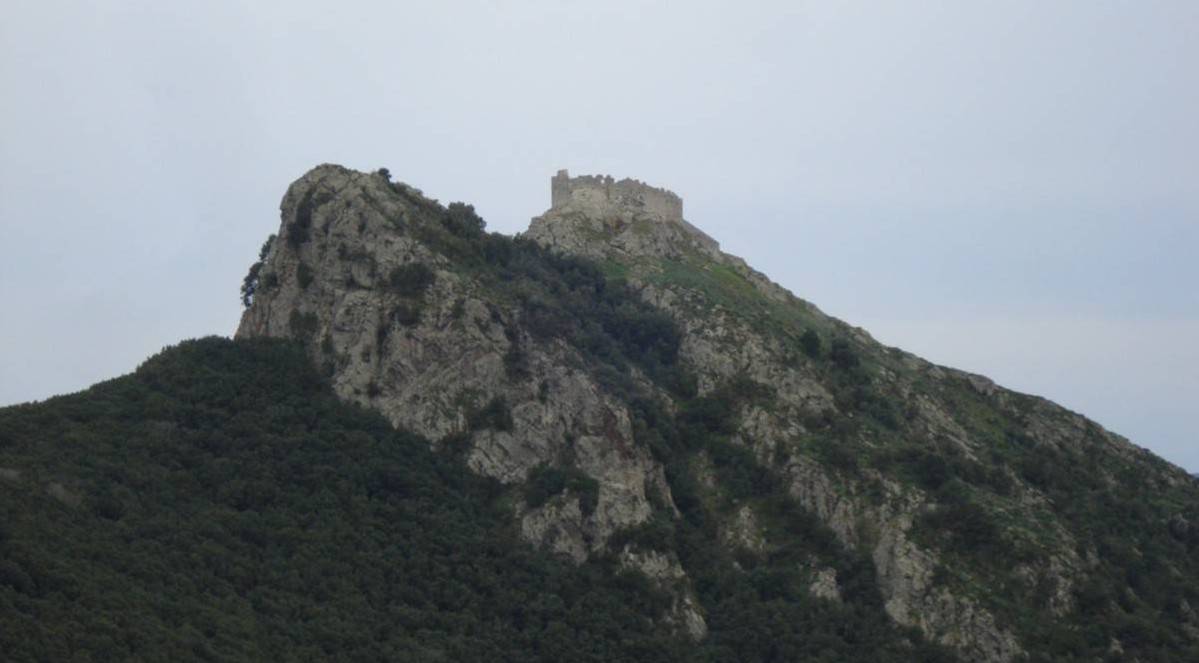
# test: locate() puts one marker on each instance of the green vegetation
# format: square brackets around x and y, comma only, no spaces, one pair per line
[561,297]
[405,314]
[967,525]
[980,524]
[304,276]
[546,481]
[1146,568]
[1143,570]
[410,280]
[224,505]
[303,325]
[250,284]
[810,342]
[299,230]
[495,415]
[758,604]
[723,286]
[847,367]
[842,355]
[220,503]
[516,363]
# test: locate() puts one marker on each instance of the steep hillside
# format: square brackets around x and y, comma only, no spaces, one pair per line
[995,523]
[222,504]
[608,440]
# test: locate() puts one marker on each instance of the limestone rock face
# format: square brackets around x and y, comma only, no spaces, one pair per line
[664,570]
[433,359]
[853,431]
[743,334]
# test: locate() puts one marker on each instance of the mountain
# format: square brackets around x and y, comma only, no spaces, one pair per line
[603,439]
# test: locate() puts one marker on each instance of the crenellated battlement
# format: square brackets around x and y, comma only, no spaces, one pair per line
[603,192]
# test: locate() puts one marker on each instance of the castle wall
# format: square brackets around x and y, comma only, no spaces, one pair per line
[601,191]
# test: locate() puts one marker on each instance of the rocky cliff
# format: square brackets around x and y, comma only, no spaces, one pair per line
[626,378]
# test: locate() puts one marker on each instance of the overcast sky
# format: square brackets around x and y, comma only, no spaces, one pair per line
[1011,188]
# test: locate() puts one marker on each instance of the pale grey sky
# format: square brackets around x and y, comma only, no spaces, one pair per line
[1010,188]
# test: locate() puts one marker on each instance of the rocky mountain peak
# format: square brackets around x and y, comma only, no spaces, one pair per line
[629,379]
[758,480]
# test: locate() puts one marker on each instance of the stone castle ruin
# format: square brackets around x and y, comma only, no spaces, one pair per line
[602,193]
[618,202]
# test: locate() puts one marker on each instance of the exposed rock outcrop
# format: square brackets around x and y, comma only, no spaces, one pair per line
[720,344]
[435,355]
[871,441]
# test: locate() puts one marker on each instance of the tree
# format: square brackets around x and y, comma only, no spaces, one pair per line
[810,342]
[250,284]
[843,355]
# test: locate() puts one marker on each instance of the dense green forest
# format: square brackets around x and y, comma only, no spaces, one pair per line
[220,503]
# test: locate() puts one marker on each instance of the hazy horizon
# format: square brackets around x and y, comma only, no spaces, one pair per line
[1009,190]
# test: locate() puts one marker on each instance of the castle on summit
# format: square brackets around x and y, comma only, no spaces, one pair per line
[602,193]
[599,197]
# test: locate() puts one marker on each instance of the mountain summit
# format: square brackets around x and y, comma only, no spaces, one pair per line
[692,462]
[995,523]
[631,217]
